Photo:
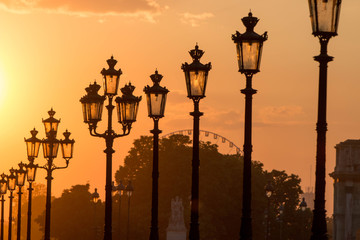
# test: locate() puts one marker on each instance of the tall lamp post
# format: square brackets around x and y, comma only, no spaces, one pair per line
[32,146]
[120,189]
[196,75]
[30,173]
[249,48]
[269,189]
[50,150]
[11,186]
[156,99]
[3,190]
[20,181]
[129,191]
[324,15]
[127,107]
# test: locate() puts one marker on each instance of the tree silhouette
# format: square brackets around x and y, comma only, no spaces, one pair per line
[220,191]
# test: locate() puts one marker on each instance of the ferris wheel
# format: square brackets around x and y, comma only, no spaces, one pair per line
[225,145]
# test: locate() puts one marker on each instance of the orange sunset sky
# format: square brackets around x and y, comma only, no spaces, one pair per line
[50,50]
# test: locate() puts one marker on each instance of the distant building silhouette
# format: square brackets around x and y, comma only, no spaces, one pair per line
[347,191]
[309,196]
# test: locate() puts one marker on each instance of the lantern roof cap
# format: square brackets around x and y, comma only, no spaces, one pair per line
[111,70]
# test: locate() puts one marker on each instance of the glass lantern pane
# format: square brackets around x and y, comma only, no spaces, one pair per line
[156,100]
[67,150]
[238,52]
[85,116]
[51,126]
[12,184]
[326,10]
[3,187]
[148,103]
[20,179]
[111,84]
[197,82]
[33,149]
[129,112]
[31,174]
[47,147]
[250,54]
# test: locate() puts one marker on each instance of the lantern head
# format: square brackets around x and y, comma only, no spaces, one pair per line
[196,75]
[156,97]
[249,46]
[111,78]
[92,104]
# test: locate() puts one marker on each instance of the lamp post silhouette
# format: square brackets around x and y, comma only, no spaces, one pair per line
[50,149]
[20,181]
[324,15]
[30,173]
[156,100]
[127,107]
[120,189]
[95,198]
[32,147]
[249,48]
[11,186]
[196,75]
[3,190]
[269,189]
[129,191]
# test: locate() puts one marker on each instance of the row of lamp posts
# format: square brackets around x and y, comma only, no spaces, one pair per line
[324,18]
[17,177]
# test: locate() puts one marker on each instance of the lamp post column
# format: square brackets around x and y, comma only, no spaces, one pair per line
[18,233]
[28,233]
[319,229]
[49,178]
[108,186]
[10,214]
[246,225]
[194,224]
[154,231]
[2,217]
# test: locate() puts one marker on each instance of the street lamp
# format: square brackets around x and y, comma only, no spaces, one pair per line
[324,15]
[269,189]
[30,173]
[156,99]
[50,149]
[11,186]
[120,189]
[3,190]
[249,48]
[281,216]
[20,181]
[95,198]
[127,107]
[196,75]
[303,205]
[129,191]
[32,146]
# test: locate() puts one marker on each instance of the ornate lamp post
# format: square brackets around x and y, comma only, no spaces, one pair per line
[303,205]
[324,15]
[30,173]
[32,146]
[11,186]
[249,48]
[196,75]
[50,150]
[127,107]
[20,181]
[3,190]
[281,216]
[156,99]
[269,189]
[120,189]
[129,191]
[95,198]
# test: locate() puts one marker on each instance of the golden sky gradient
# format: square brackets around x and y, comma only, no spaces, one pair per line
[51,50]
